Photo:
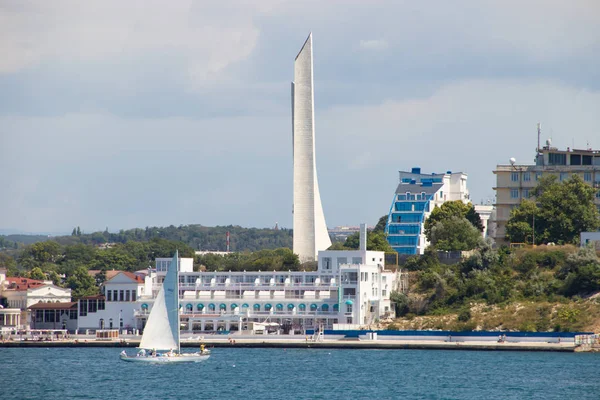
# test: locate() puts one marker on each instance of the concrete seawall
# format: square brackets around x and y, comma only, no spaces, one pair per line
[299,343]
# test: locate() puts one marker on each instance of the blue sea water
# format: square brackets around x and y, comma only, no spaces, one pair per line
[83,373]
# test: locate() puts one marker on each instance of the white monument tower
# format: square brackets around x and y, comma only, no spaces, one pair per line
[310,229]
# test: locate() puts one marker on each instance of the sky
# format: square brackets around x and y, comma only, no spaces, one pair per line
[153,113]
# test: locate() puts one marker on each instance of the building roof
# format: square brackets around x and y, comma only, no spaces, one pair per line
[53,306]
[18,283]
[94,297]
[416,188]
[112,273]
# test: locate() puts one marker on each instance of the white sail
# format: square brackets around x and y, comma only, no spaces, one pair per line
[159,334]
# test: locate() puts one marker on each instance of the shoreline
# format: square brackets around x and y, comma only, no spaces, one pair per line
[324,344]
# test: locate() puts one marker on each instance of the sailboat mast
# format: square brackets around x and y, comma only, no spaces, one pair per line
[177,294]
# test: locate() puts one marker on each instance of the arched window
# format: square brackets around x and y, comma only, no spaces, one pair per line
[211,307]
[325,307]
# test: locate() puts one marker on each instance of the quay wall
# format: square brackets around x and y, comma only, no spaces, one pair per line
[447,336]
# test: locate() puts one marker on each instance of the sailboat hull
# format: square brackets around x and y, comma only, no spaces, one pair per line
[182,358]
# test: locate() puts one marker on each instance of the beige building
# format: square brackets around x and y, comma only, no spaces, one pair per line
[515,182]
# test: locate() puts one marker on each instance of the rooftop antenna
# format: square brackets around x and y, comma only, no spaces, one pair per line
[539,129]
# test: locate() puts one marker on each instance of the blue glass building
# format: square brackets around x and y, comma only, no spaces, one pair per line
[416,196]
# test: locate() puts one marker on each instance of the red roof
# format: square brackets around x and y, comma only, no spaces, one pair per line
[18,283]
[112,273]
[53,306]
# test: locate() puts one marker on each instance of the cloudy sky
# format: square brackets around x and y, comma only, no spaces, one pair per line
[150,113]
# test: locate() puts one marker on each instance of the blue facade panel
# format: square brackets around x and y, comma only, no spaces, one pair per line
[407,212]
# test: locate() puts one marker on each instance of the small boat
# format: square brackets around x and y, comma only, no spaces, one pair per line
[160,340]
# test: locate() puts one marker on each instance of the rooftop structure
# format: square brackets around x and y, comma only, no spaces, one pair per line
[310,229]
[515,182]
[416,196]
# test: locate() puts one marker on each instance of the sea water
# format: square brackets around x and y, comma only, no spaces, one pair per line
[231,373]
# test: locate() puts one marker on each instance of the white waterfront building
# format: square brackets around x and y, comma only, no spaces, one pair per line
[349,287]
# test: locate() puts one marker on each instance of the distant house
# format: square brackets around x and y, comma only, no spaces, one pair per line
[18,293]
[54,316]
[115,309]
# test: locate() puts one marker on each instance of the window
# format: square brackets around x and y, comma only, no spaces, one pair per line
[526,193]
[121,295]
[514,193]
[83,307]
[514,176]
[327,262]
[101,305]
[73,314]
[356,260]
[526,176]
[49,315]
[342,260]
[348,308]
[538,176]
[564,176]
[587,176]
[557,159]
[133,295]
[109,295]
[127,295]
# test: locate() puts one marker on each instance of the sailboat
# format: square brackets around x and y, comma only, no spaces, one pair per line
[160,340]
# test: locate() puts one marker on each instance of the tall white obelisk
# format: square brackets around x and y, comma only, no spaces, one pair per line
[310,229]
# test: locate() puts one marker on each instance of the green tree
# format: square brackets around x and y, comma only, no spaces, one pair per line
[562,210]
[376,241]
[7,261]
[454,234]
[451,209]
[81,283]
[55,278]
[380,227]
[37,273]
[519,228]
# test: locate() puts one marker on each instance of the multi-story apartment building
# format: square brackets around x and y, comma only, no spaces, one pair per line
[515,182]
[416,196]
